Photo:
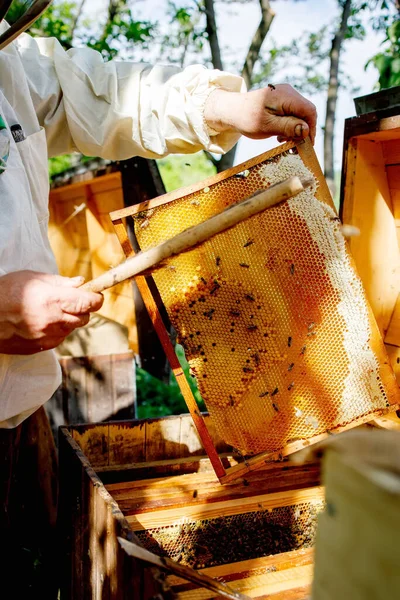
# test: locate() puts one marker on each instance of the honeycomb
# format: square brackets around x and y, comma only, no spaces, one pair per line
[271,314]
[211,542]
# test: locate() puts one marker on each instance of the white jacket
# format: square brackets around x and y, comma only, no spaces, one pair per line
[68,101]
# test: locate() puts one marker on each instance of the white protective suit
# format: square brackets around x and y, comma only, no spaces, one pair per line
[68,101]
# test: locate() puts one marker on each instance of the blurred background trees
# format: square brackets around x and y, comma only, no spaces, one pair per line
[189,31]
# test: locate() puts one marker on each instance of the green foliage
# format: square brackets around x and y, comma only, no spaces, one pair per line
[120,32]
[58,20]
[387,62]
[156,399]
[59,164]
[178,171]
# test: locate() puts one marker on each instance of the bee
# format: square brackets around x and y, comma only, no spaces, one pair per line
[276,390]
[144,224]
[290,367]
[244,265]
[249,297]
[289,341]
[248,243]
[275,407]
[292,269]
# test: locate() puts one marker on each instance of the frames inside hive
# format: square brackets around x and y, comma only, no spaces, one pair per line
[271,313]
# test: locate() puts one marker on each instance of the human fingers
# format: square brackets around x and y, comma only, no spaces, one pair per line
[61,324]
[79,302]
[59,280]
[294,104]
[21,346]
[287,128]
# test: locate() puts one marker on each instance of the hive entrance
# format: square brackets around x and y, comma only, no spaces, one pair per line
[271,314]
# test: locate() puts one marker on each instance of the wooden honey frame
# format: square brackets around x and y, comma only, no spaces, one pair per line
[309,158]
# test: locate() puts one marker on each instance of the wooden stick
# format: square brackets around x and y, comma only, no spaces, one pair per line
[193,236]
[25,21]
[184,572]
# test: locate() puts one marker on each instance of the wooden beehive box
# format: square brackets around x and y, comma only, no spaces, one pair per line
[357,552]
[370,200]
[151,482]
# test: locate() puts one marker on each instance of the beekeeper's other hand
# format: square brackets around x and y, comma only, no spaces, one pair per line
[38,311]
[272,111]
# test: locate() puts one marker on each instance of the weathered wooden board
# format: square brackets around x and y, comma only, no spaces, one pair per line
[95,388]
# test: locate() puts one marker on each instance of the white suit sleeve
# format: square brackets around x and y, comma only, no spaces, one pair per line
[117,109]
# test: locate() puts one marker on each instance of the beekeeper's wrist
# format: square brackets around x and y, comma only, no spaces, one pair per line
[220,110]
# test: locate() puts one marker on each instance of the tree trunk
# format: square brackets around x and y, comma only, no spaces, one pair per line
[252,56]
[267,16]
[113,8]
[333,88]
[77,17]
[212,32]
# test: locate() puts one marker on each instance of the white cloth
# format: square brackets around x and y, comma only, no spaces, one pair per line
[68,101]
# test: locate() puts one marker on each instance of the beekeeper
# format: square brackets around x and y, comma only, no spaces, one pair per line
[53,102]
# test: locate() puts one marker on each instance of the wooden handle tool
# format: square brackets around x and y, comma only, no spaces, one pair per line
[143,261]
[181,571]
[26,20]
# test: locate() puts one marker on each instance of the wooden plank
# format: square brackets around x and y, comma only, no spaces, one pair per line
[395,195]
[392,336]
[165,439]
[199,488]
[360,526]
[124,448]
[230,507]
[391,151]
[179,374]
[96,388]
[393,176]
[368,206]
[123,370]
[394,357]
[189,574]
[99,384]
[74,390]
[186,191]
[93,563]
[243,569]
[261,586]
[93,440]
[28,510]
[260,460]
[160,468]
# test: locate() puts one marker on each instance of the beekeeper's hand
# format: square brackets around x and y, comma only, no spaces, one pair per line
[38,311]
[275,110]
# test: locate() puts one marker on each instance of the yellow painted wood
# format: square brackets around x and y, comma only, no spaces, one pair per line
[86,245]
[368,206]
[230,507]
